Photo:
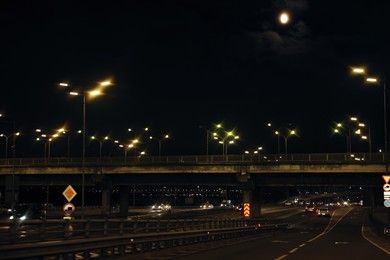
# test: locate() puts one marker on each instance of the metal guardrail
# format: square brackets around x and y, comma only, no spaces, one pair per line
[28,231]
[156,235]
[200,159]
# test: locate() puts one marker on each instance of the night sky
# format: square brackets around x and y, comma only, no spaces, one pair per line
[177,65]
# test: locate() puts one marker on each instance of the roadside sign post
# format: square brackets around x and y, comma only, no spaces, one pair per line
[69,209]
[69,193]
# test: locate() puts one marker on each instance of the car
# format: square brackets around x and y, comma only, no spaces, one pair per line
[29,211]
[310,208]
[226,204]
[161,207]
[207,205]
[323,212]
[5,212]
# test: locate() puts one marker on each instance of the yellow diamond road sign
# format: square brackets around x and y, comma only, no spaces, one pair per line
[69,193]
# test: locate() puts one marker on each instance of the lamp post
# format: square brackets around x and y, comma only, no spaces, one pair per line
[126,149]
[100,144]
[224,139]
[44,146]
[164,137]
[136,139]
[84,94]
[6,144]
[291,133]
[372,80]
[255,151]
[277,134]
[338,131]
[288,134]
[208,131]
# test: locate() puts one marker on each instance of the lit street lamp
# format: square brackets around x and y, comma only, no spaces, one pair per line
[224,138]
[255,151]
[291,133]
[208,131]
[372,80]
[126,149]
[6,144]
[137,138]
[100,144]
[164,137]
[85,94]
[285,136]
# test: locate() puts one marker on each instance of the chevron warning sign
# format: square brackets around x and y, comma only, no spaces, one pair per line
[247,210]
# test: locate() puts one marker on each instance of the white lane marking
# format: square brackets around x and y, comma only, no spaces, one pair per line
[281,257]
[372,242]
[341,243]
[327,229]
[302,245]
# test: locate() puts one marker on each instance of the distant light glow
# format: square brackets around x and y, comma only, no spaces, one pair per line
[95,93]
[284,18]
[371,80]
[358,70]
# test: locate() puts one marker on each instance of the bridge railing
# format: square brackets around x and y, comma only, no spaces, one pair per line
[202,159]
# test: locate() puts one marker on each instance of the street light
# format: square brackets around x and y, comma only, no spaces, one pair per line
[277,133]
[288,134]
[224,138]
[6,144]
[255,151]
[85,94]
[126,148]
[164,137]
[372,80]
[100,144]
[208,131]
[49,139]
[137,138]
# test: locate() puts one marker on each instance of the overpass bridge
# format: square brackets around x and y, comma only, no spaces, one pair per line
[249,172]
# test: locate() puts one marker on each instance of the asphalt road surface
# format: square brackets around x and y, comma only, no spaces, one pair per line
[343,235]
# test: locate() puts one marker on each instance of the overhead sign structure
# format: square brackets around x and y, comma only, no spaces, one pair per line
[386,191]
[247,210]
[69,193]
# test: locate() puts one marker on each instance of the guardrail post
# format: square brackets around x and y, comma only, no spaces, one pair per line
[167,226]
[121,227]
[105,227]
[42,229]
[68,229]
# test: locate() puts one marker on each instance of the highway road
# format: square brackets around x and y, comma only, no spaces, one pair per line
[341,236]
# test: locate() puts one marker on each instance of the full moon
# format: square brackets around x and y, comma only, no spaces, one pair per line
[284,18]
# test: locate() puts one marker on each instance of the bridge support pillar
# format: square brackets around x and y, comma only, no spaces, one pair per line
[124,200]
[106,186]
[12,190]
[106,198]
[254,198]
[250,194]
